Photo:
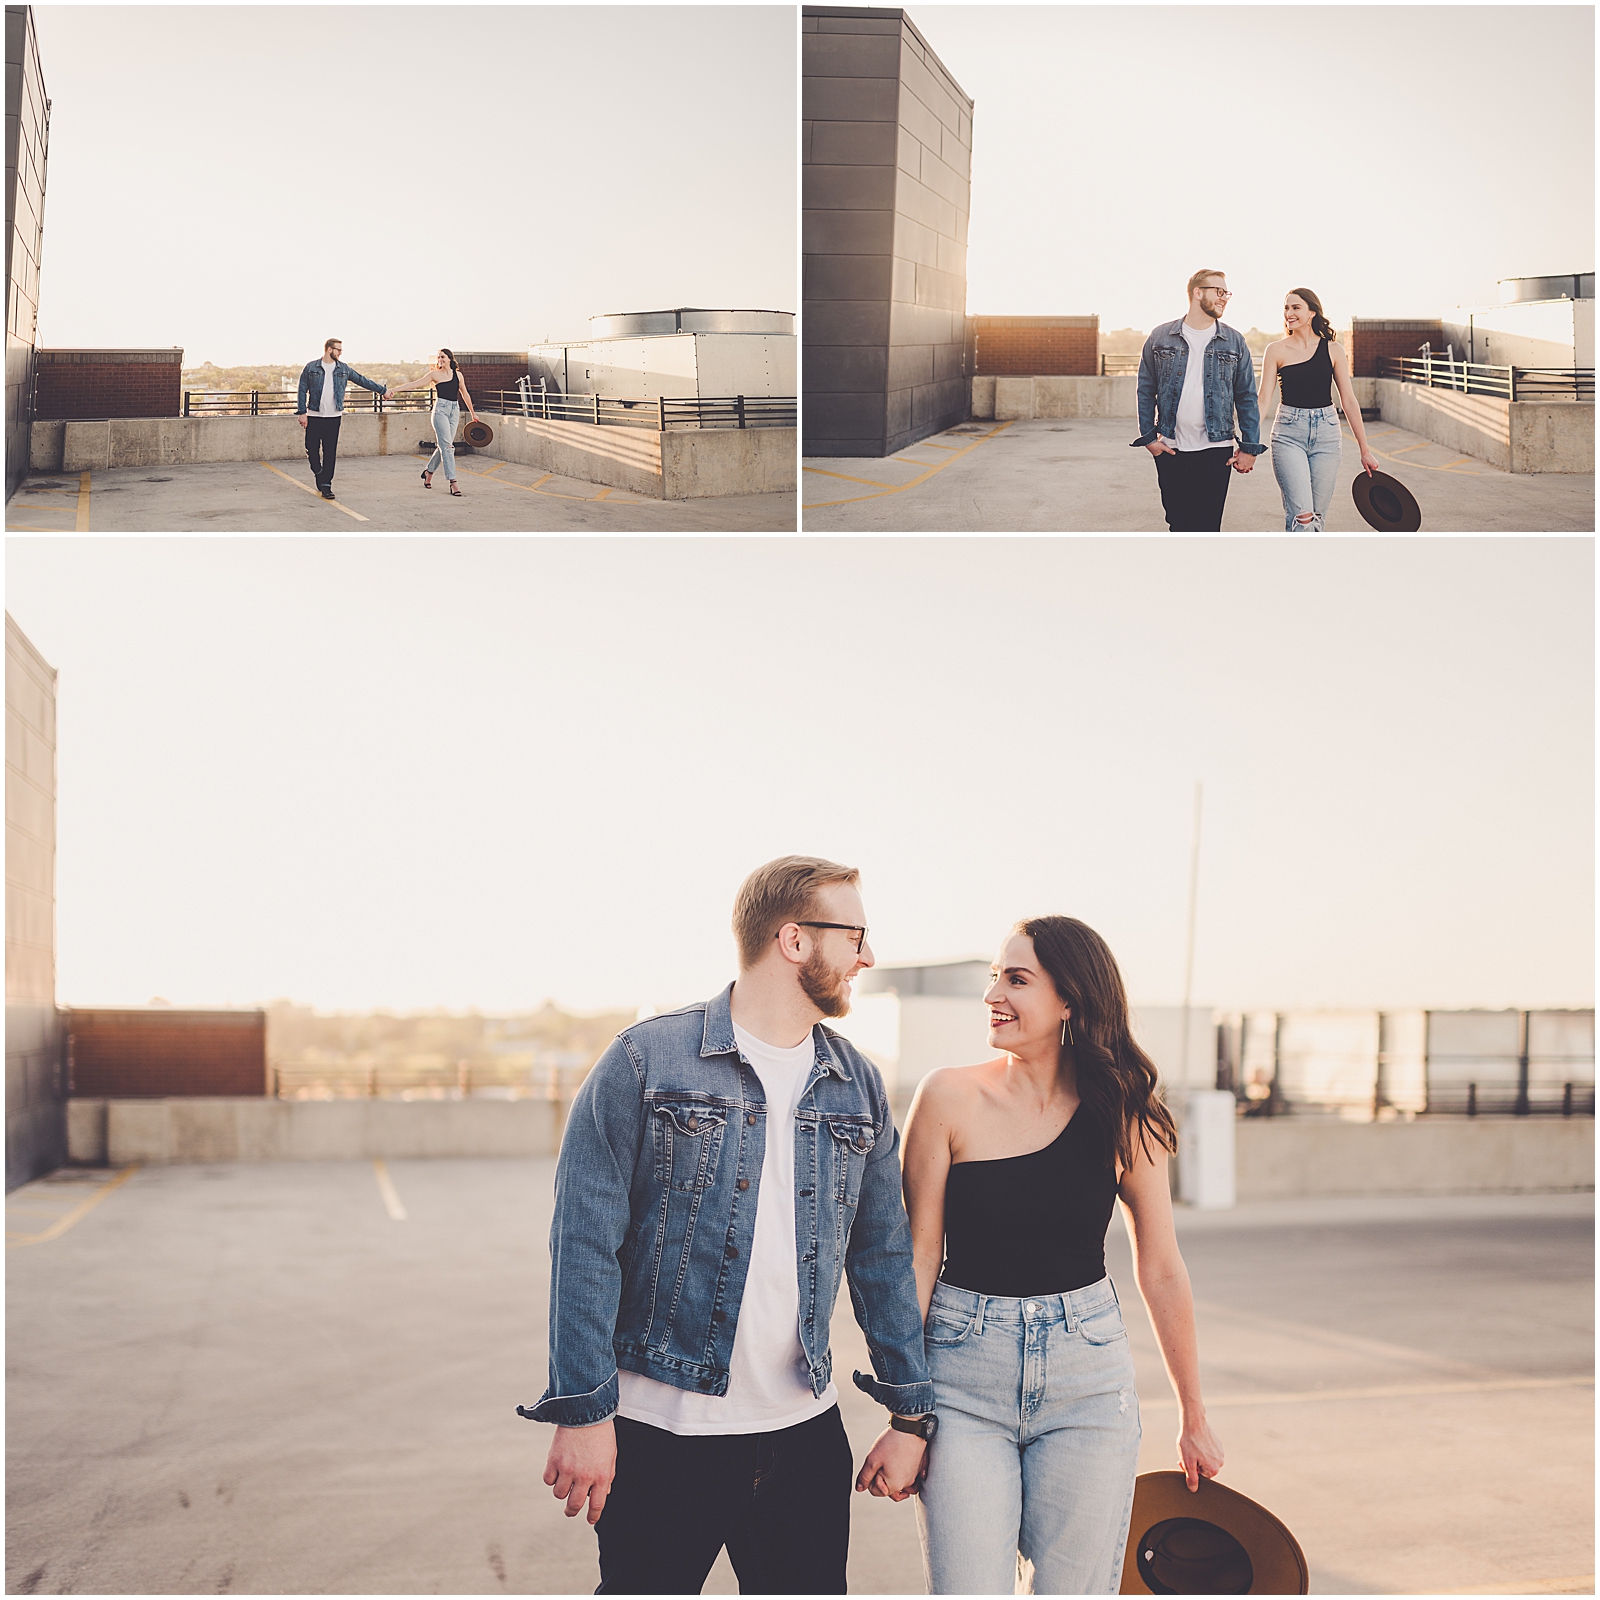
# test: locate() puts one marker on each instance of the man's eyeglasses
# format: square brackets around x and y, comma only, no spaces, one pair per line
[1227,294]
[849,927]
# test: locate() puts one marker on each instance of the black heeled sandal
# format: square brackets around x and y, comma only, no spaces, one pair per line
[427,480]
[455,489]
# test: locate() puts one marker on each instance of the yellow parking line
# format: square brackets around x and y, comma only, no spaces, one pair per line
[82,507]
[391,1196]
[1389,1391]
[44,505]
[27,527]
[552,494]
[1449,466]
[78,1212]
[872,483]
[912,483]
[312,492]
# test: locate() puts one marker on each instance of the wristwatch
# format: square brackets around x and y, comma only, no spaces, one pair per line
[924,1427]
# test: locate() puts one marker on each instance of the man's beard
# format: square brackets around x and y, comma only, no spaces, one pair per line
[825,988]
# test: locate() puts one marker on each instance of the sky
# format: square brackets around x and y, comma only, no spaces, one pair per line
[414,772]
[1397,160]
[247,181]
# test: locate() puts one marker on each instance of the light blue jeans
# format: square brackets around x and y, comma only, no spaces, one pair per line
[446,414]
[1030,1476]
[1305,461]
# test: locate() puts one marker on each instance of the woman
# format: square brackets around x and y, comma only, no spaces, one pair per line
[1308,361]
[448,396]
[1011,1170]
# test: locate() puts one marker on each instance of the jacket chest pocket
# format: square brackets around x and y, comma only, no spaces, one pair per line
[687,1139]
[852,1144]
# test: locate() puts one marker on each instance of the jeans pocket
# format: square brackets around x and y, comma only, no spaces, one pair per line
[946,1329]
[1103,1325]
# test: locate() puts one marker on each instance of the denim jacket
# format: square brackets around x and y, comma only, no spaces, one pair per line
[1230,378]
[311,383]
[656,1193]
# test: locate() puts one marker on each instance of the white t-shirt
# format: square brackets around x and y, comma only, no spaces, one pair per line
[329,406]
[1189,430]
[769,1384]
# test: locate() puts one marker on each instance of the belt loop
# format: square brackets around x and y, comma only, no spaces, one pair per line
[983,1300]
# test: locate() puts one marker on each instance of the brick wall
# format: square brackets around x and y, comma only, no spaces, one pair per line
[1038,346]
[122,1055]
[489,370]
[85,385]
[1371,341]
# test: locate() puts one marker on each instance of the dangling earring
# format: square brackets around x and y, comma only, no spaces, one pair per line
[1066,1032]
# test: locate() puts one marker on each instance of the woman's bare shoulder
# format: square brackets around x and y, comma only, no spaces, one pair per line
[952,1086]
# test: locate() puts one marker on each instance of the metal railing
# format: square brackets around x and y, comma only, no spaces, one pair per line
[394,1080]
[682,411]
[1128,366]
[1502,1099]
[280,402]
[1442,370]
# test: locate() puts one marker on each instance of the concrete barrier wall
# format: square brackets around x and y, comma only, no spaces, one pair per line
[1279,1158]
[701,462]
[622,458]
[185,441]
[1520,436]
[1284,1158]
[162,1132]
[683,464]
[1008,399]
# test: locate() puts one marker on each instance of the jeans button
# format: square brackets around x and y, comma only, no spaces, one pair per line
[1032,1307]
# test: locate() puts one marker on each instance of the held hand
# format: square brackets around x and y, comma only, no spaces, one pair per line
[1199,1452]
[893,1465]
[1370,462]
[1241,461]
[302,419]
[1160,447]
[581,1466]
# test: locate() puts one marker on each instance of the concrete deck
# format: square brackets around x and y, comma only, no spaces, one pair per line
[253,1379]
[376,494]
[1079,476]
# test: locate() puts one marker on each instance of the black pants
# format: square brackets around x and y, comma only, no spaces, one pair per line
[322,447]
[1194,488]
[779,1501]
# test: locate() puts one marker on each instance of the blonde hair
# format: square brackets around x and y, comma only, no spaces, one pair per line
[1199,277]
[782,891]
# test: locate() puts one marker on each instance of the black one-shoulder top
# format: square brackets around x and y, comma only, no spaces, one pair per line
[1033,1224]
[1309,383]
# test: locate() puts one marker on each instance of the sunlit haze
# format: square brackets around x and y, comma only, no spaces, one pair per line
[246,181]
[1398,160]
[408,773]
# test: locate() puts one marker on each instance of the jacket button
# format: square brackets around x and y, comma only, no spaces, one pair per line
[731,1251]
[744,1183]
[694,1124]
[751,1119]
[719,1316]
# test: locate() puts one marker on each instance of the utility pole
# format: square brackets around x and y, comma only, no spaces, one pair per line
[1188,959]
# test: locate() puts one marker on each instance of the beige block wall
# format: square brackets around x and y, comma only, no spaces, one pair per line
[221,1129]
[1013,399]
[1282,1158]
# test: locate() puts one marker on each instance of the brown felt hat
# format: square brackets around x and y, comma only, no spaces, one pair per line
[1214,1541]
[478,434]
[1386,504]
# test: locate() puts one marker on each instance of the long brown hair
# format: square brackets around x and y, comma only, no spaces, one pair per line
[1117,1081]
[1319,323]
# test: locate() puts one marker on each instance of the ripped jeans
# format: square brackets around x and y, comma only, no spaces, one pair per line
[446,415]
[1030,1476]
[1305,461]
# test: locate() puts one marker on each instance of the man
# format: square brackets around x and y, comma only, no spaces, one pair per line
[323,382]
[722,1168]
[1193,375]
